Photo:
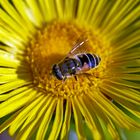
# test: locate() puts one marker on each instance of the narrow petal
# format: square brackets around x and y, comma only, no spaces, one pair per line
[95,109]
[82,9]
[16,102]
[97,15]
[8,60]
[9,78]
[97,133]
[32,114]
[129,42]
[123,93]
[35,117]
[58,118]
[112,130]
[78,120]
[26,14]
[116,6]
[132,113]
[51,12]
[60,8]
[123,82]
[120,10]
[5,71]
[19,90]
[70,9]
[90,10]
[14,14]
[132,16]
[12,50]
[12,55]
[8,122]
[38,19]
[46,119]
[24,113]
[66,123]
[125,64]
[132,53]
[12,71]
[12,25]
[13,85]
[11,36]
[43,9]
[123,70]
[135,113]
[133,77]
[113,111]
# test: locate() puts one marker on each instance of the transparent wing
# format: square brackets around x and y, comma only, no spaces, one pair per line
[81,46]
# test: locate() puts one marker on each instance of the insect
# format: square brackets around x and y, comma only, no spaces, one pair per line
[76,62]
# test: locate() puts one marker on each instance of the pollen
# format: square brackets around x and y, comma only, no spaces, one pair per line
[51,44]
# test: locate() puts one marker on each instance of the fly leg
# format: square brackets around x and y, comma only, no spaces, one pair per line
[64,79]
[75,78]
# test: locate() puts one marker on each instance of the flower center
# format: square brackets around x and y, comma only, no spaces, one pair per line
[51,45]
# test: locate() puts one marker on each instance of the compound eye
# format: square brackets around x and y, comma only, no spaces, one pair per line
[57,73]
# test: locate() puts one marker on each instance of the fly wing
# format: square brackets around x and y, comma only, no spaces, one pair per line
[81,46]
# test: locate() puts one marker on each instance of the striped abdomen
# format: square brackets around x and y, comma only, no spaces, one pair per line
[89,60]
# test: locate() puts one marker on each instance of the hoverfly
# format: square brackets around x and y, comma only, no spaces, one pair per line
[76,62]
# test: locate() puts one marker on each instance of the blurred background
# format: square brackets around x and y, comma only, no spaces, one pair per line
[128,135]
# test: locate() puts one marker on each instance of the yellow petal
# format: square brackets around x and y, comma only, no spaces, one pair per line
[69,9]
[132,16]
[51,12]
[123,83]
[13,77]
[60,8]
[8,121]
[58,118]
[34,7]
[113,111]
[97,133]
[134,77]
[123,70]
[8,60]
[95,109]
[116,6]
[96,15]
[5,71]
[118,14]
[112,130]
[16,102]
[11,36]
[32,114]
[78,120]
[8,48]
[46,119]
[6,20]
[135,113]
[128,54]
[24,31]
[12,71]
[66,123]
[6,96]
[33,125]
[123,93]
[13,85]
[128,42]
[80,10]
[43,9]
[24,113]
[26,14]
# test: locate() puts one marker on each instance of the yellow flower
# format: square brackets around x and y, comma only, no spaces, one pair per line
[34,35]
